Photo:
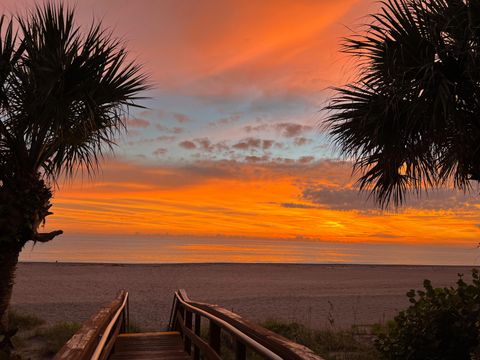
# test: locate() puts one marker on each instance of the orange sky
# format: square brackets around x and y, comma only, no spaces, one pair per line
[256,200]
[232,142]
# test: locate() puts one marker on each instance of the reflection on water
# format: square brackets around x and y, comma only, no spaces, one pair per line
[170,249]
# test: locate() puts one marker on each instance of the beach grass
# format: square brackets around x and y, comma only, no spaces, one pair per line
[55,336]
[37,340]
[23,321]
[355,343]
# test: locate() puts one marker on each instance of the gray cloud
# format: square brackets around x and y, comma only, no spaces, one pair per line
[253,143]
[181,118]
[174,130]
[297,206]
[255,128]
[225,121]
[306,159]
[166,138]
[291,130]
[189,145]
[341,198]
[286,129]
[256,159]
[384,236]
[138,123]
[160,152]
[299,141]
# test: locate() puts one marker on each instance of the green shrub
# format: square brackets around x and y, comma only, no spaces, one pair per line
[54,337]
[23,321]
[440,324]
[329,343]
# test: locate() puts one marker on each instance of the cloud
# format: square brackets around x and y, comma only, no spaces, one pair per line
[189,145]
[166,138]
[306,159]
[290,130]
[206,145]
[286,129]
[162,138]
[348,198]
[383,235]
[207,149]
[297,206]
[225,121]
[138,123]
[174,130]
[278,44]
[160,152]
[267,144]
[299,141]
[255,128]
[253,144]
[257,197]
[181,118]
[256,159]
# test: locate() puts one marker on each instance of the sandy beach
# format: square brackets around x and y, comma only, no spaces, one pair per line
[353,294]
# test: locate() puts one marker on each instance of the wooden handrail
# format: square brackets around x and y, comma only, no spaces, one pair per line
[96,337]
[245,334]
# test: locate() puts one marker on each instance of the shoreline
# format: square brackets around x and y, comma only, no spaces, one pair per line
[244,263]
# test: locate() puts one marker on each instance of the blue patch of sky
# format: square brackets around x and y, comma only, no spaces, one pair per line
[225,121]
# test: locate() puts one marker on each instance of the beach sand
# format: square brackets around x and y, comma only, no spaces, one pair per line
[352,294]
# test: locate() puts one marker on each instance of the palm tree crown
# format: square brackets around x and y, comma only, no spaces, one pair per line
[62,94]
[412,119]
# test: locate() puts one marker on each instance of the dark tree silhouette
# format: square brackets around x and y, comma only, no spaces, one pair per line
[63,99]
[412,118]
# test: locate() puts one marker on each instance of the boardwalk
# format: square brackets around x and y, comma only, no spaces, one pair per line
[149,346]
[195,332]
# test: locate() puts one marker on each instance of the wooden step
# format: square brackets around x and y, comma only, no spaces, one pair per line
[149,346]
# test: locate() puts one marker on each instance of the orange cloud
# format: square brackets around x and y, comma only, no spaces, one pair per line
[224,47]
[255,200]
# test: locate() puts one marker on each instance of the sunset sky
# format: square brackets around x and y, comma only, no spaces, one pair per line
[232,143]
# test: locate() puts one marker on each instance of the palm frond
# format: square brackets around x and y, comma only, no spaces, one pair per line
[409,121]
[67,92]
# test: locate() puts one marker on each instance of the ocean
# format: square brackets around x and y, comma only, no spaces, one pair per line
[164,249]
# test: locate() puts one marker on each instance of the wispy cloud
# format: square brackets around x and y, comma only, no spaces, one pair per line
[138,123]
[259,197]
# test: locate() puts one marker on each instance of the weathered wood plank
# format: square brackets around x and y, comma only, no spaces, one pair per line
[82,345]
[150,346]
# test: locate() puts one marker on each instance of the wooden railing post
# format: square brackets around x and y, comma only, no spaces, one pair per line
[188,325]
[198,327]
[214,337]
[96,338]
[240,350]
[247,337]
[127,317]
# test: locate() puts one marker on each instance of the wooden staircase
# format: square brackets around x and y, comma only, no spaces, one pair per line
[147,346]
[196,331]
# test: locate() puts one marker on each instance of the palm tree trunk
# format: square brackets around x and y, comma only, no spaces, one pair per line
[8,263]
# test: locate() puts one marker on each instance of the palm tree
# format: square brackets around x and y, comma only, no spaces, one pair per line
[411,121]
[63,99]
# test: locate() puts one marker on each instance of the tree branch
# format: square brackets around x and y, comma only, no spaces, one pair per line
[46,237]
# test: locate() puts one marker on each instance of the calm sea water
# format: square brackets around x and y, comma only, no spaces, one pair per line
[169,249]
